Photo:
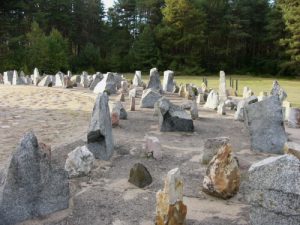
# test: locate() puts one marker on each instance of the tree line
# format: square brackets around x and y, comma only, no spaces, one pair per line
[188,36]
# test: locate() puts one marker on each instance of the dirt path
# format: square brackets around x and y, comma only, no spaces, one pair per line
[62,116]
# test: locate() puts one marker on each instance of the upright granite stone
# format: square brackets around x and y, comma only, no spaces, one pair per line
[36,76]
[84,80]
[265,122]
[294,118]
[212,101]
[31,186]
[149,97]
[108,83]
[168,83]
[194,110]
[173,118]
[99,137]
[278,91]
[132,103]
[222,87]
[8,77]
[137,80]
[59,80]
[247,92]
[274,193]
[154,82]
[16,80]
[239,114]
[221,109]
[96,79]
[170,209]
[46,81]
[119,108]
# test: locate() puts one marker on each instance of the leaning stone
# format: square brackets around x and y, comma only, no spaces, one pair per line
[153,147]
[99,138]
[222,175]
[278,91]
[274,191]
[194,110]
[170,209]
[294,118]
[211,147]
[132,104]
[140,176]
[265,122]
[173,118]
[107,84]
[212,101]
[79,162]
[168,84]
[154,82]
[239,114]
[149,97]
[31,186]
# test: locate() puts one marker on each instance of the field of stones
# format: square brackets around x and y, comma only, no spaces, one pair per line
[104,150]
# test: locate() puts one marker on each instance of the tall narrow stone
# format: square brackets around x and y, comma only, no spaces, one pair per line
[36,76]
[132,103]
[100,138]
[294,118]
[212,101]
[8,77]
[137,80]
[107,84]
[154,80]
[168,83]
[222,87]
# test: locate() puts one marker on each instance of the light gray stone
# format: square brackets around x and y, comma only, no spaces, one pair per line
[212,101]
[200,99]
[194,110]
[108,83]
[265,122]
[119,108]
[59,80]
[274,191]
[239,114]
[99,138]
[221,109]
[247,92]
[96,79]
[168,83]
[132,103]
[8,77]
[294,118]
[278,91]
[137,80]
[154,80]
[84,80]
[36,76]
[31,186]
[211,147]
[222,86]
[149,97]
[46,81]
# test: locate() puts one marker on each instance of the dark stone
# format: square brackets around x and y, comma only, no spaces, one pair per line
[140,176]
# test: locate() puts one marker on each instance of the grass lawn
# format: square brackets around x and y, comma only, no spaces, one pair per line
[257,84]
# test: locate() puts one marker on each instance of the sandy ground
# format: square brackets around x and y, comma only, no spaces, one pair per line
[60,117]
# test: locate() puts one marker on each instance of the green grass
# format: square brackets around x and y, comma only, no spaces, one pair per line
[256,83]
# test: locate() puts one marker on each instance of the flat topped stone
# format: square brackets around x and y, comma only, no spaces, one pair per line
[154,81]
[99,138]
[168,83]
[149,97]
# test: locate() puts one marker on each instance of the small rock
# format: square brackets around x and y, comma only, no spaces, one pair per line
[153,147]
[140,176]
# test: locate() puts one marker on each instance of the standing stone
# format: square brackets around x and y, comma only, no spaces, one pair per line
[211,148]
[200,99]
[140,176]
[46,81]
[99,138]
[132,104]
[194,110]
[278,91]
[222,86]
[239,114]
[118,107]
[36,76]
[31,186]
[212,101]
[173,118]
[170,209]
[84,81]
[59,80]
[79,162]
[168,84]
[121,97]
[265,122]
[137,80]
[8,77]
[153,147]
[222,175]
[221,109]
[1,79]
[67,82]
[154,82]
[75,79]
[262,96]
[124,86]
[274,193]
[189,92]
[149,97]
[96,79]
[247,92]
[203,87]
[107,84]
[69,74]
[294,118]
[286,106]
[16,80]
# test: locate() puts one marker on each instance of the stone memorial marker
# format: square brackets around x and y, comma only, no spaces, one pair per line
[168,83]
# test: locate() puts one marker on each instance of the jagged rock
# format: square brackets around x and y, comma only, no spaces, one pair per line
[153,147]
[170,209]
[211,147]
[239,114]
[194,110]
[132,104]
[67,82]
[274,191]
[173,118]
[8,77]
[222,175]
[247,92]
[107,84]
[119,108]
[149,97]
[294,117]
[96,79]
[46,81]
[140,176]
[222,86]
[278,91]
[168,84]
[137,80]
[221,109]
[31,186]
[100,138]
[59,80]
[79,162]
[265,122]
[154,82]
[212,101]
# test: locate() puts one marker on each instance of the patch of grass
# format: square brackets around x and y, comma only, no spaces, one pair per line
[256,83]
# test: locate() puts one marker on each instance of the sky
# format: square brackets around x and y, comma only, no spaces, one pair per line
[108,3]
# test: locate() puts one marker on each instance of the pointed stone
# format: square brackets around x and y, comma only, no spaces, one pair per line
[154,80]
[140,176]
[107,84]
[212,101]
[149,97]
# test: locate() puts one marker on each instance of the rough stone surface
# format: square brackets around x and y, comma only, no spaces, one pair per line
[173,118]
[108,83]
[36,76]
[46,81]
[211,147]
[168,83]
[153,147]
[84,81]
[132,104]
[96,79]
[59,80]
[274,191]
[99,138]
[79,162]
[137,80]
[221,109]
[239,114]
[194,110]
[247,92]
[31,186]
[170,209]
[8,77]
[212,101]
[119,108]
[222,86]
[200,99]
[140,176]
[222,175]
[278,91]
[265,122]
[149,97]
[294,118]
[292,148]
[154,80]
